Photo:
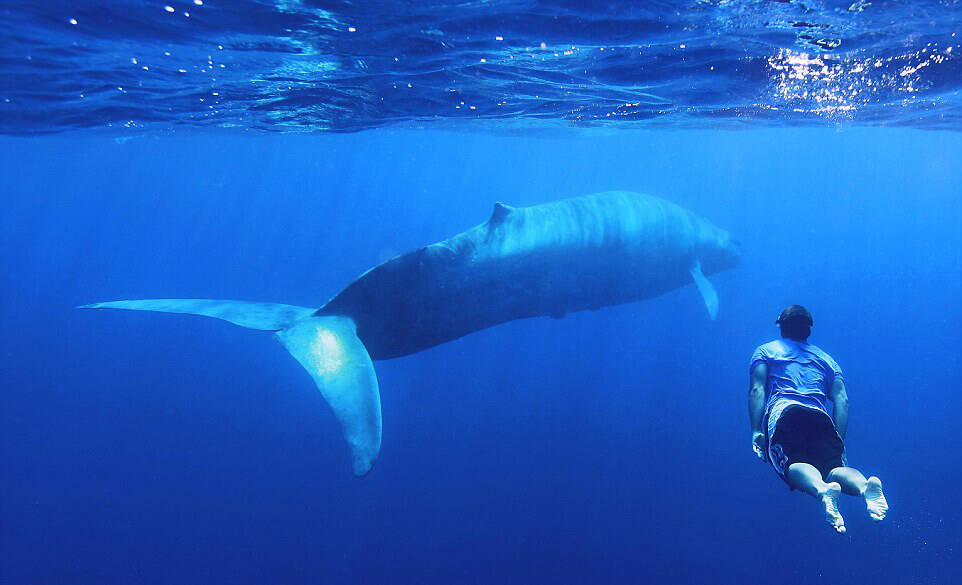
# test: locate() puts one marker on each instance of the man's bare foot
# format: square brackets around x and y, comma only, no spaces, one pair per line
[829,497]
[875,499]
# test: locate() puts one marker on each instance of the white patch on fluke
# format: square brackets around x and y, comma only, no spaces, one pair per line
[327,353]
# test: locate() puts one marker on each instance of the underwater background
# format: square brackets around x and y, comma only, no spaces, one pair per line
[603,447]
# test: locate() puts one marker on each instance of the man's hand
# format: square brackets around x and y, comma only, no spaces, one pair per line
[760,445]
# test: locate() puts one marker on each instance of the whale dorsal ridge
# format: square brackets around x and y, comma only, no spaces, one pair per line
[499,212]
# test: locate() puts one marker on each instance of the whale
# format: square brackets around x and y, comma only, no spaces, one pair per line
[577,254]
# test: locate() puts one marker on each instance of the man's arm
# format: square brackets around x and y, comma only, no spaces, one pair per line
[756,408]
[840,401]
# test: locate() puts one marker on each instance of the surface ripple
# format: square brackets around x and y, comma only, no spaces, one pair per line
[299,65]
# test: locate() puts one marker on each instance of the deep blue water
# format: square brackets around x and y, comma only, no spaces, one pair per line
[603,447]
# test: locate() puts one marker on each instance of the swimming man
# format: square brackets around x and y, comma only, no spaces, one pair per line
[792,384]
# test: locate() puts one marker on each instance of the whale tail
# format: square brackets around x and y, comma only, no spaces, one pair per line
[326,346]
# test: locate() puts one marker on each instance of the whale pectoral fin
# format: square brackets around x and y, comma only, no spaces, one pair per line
[706,289]
[331,352]
[262,316]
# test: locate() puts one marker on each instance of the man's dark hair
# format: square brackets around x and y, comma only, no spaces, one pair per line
[795,322]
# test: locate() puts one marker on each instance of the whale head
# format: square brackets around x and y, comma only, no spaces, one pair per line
[717,250]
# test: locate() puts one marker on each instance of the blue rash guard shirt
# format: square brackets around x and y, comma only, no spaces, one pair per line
[799,374]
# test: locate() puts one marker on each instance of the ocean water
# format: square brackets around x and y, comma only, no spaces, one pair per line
[603,447]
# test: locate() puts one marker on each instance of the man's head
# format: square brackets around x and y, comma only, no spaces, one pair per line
[795,323]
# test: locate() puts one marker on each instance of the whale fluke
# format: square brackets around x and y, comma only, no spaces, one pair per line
[327,347]
[260,316]
[330,351]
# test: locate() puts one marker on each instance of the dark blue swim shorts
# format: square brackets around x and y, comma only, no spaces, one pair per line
[806,435]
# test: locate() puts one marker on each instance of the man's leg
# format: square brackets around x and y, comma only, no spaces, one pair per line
[808,479]
[851,480]
[854,484]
